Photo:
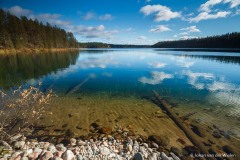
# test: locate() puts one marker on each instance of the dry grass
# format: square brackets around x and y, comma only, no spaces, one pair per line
[22,107]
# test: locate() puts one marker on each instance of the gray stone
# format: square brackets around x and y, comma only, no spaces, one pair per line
[138,156]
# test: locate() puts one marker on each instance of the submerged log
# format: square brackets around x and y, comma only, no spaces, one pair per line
[78,86]
[191,136]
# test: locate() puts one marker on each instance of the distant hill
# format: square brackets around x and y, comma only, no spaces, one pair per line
[229,40]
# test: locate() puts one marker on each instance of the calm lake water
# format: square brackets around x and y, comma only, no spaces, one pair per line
[205,82]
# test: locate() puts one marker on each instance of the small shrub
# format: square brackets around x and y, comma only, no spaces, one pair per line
[22,107]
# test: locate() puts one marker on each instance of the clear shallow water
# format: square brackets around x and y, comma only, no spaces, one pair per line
[195,81]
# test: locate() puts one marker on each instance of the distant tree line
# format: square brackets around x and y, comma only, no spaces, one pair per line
[19,33]
[229,40]
[93,45]
[105,45]
[129,46]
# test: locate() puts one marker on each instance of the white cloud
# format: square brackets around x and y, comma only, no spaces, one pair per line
[95,62]
[89,15]
[194,78]
[191,29]
[160,28]
[206,11]
[233,3]
[161,13]
[142,38]
[221,86]
[53,19]
[206,7]
[157,65]
[187,37]
[237,12]
[93,32]
[181,61]
[19,11]
[157,78]
[106,17]
[183,33]
[206,16]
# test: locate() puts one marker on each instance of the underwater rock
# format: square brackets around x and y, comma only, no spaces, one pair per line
[160,140]
[95,125]
[64,125]
[181,141]
[192,150]
[200,131]
[78,127]
[176,151]
[105,130]
[228,149]
[69,133]
[212,142]
[216,134]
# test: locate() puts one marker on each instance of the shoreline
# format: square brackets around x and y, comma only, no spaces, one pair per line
[105,146]
[35,50]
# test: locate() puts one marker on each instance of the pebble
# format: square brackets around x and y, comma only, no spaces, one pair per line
[73,141]
[138,156]
[19,145]
[16,137]
[68,155]
[47,155]
[129,148]
[104,150]
[77,149]
[165,157]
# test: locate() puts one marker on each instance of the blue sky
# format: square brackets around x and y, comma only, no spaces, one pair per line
[133,21]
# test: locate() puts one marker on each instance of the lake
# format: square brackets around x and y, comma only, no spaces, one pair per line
[207,83]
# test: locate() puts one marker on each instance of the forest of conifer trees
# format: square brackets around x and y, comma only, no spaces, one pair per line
[229,40]
[20,33]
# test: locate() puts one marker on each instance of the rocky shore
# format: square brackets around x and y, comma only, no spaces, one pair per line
[107,148]
[122,145]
